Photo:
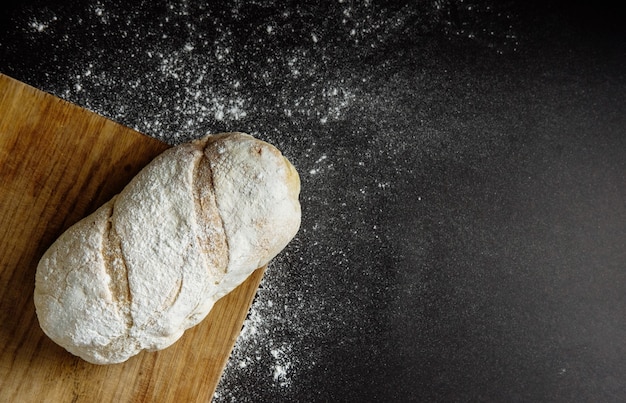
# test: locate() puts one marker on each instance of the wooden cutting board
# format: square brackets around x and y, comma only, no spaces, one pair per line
[58,163]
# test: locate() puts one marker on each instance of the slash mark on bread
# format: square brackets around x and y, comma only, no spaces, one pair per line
[211,235]
[116,268]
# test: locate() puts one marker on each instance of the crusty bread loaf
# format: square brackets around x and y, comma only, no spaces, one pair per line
[151,262]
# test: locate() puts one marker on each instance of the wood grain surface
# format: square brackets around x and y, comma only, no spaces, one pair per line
[58,163]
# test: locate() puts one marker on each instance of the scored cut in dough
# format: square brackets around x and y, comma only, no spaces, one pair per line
[151,262]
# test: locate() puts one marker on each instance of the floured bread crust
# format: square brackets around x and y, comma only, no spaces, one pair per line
[151,262]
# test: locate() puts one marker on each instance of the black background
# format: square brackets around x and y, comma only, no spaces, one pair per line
[463,179]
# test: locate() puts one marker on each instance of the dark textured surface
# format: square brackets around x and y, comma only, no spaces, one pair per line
[463,167]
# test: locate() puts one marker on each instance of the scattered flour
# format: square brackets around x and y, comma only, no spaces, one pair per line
[262,357]
[189,68]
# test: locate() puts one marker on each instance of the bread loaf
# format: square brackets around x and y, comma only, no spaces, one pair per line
[151,262]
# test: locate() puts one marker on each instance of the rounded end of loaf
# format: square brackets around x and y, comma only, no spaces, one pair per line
[293,181]
[257,191]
